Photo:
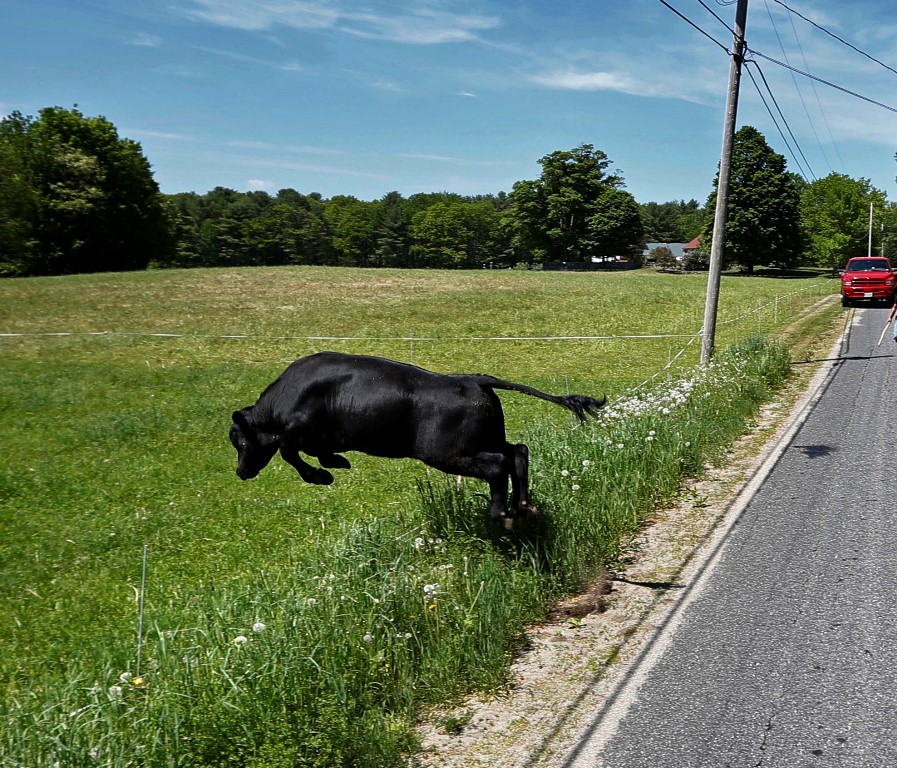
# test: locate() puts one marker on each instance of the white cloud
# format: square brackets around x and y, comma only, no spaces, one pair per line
[260,185]
[251,15]
[571,80]
[289,66]
[166,135]
[145,40]
[418,25]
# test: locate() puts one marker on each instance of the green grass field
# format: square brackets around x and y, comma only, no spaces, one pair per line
[115,439]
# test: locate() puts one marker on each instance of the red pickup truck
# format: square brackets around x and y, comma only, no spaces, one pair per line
[867,278]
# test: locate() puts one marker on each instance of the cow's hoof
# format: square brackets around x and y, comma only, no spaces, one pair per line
[322,477]
[529,512]
[507,523]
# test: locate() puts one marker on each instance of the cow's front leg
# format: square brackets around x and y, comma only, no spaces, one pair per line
[306,471]
[334,461]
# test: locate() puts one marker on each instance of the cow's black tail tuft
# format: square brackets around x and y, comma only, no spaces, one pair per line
[581,405]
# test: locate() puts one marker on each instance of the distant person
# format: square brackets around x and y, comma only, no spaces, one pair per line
[891,319]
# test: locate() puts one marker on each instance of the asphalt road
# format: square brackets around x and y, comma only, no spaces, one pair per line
[787,657]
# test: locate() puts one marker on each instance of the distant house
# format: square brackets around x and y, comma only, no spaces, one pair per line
[692,245]
[677,249]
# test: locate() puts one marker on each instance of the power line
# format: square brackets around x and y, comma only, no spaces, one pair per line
[824,82]
[714,14]
[816,94]
[808,171]
[832,34]
[691,23]
[783,64]
[796,86]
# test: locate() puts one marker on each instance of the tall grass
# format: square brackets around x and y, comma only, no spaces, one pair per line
[326,661]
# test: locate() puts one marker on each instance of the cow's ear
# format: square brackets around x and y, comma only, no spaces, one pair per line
[241,421]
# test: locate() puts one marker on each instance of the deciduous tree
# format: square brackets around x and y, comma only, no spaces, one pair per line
[550,216]
[763,217]
[835,218]
[91,201]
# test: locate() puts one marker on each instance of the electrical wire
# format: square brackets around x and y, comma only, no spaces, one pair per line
[796,86]
[832,34]
[828,127]
[691,23]
[714,14]
[805,172]
[824,82]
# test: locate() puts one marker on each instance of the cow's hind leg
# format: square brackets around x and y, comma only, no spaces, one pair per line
[494,468]
[520,481]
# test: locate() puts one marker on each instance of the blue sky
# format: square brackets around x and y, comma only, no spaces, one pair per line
[362,97]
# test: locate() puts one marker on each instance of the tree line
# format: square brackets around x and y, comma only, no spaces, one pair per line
[75,197]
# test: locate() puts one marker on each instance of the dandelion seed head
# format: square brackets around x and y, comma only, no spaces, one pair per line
[241,639]
[258,627]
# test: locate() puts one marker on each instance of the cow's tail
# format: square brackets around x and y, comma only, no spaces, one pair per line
[581,405]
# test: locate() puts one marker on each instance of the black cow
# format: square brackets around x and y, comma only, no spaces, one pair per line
[328,403]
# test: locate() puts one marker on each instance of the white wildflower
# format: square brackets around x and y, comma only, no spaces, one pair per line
[258,627]
[368,637]
[241,639]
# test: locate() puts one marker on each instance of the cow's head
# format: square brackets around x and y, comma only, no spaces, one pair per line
[254,447]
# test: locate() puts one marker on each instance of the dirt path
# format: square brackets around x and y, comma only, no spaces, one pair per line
[575,661]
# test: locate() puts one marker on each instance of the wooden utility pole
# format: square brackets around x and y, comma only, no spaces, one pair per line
[722,190]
